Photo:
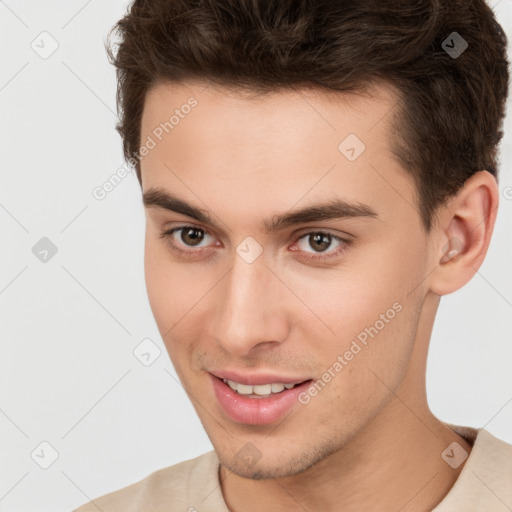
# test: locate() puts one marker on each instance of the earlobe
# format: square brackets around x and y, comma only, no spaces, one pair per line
[466,226]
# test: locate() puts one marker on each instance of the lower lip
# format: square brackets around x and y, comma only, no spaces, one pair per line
[256,411]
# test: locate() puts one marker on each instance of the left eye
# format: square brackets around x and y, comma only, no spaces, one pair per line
[320,240]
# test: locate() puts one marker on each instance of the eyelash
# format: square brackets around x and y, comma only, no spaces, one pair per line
[167,236]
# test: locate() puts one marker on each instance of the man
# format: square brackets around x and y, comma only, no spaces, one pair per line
[315,175]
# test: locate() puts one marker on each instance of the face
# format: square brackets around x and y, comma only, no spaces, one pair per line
[247,290]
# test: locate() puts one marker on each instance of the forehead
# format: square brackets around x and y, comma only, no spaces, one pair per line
[272,149]
[327,111]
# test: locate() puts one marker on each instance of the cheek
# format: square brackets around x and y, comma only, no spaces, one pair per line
[378,337]
[157,278]
[168,290]
[365,374]
[345,302]
[373,315]
[173,291]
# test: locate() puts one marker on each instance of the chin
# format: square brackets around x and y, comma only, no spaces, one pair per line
[263,471]
[281,465]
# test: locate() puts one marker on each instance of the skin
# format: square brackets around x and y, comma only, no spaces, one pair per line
[368,440]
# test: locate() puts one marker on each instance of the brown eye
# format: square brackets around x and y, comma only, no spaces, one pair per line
[316,245]
[320,241]
[191,236]
[186,240]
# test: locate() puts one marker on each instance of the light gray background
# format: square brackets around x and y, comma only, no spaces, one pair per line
[68,327]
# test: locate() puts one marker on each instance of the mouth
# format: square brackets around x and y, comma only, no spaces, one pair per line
[256,404]
[260,390]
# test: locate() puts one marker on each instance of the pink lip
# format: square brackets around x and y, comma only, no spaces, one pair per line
[256,411]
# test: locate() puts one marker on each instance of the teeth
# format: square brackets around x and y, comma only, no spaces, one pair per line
[277,388]
[260,389]
[242,389]
[231,384]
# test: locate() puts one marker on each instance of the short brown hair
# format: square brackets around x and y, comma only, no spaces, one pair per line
[449,124]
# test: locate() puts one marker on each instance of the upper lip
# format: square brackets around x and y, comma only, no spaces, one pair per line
[256,379]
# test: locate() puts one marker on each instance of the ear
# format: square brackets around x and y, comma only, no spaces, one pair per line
[464,226]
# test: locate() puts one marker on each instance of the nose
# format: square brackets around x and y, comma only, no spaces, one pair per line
[251,308]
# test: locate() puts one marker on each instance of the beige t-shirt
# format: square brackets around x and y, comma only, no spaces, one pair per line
[484,484]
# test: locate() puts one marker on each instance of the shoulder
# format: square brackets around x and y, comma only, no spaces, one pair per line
[163,489]
[495,465]
[492,460]
[485,480]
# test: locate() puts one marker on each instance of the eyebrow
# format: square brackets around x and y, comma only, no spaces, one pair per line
[333,209]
